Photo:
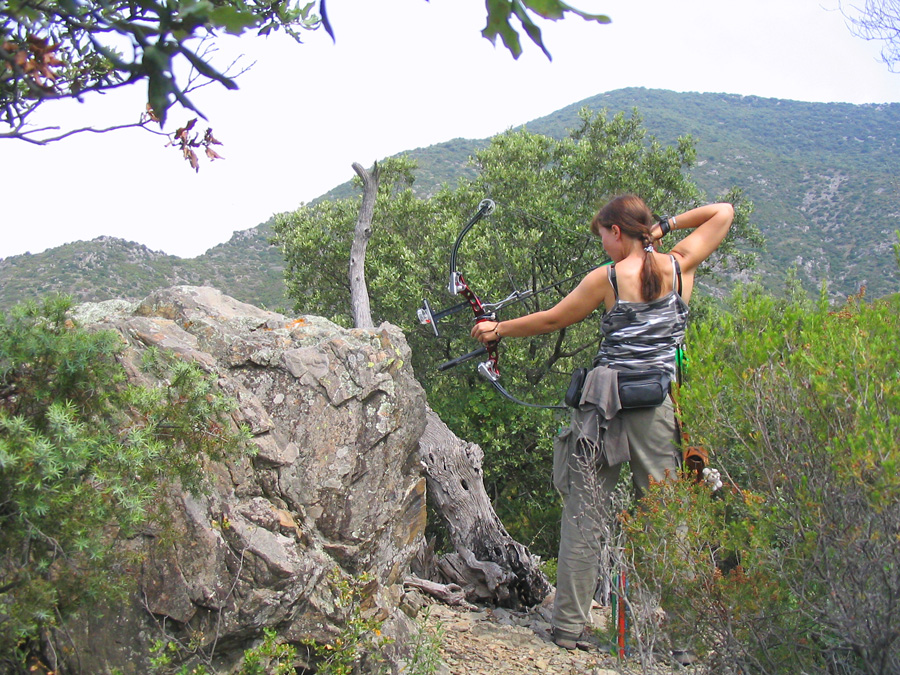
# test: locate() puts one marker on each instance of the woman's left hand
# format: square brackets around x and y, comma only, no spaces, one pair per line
[486,332]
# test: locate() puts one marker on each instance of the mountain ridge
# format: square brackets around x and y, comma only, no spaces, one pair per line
[822,177]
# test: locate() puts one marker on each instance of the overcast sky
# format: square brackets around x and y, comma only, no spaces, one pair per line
[403,74]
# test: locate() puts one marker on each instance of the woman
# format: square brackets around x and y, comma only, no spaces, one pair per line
[645,294]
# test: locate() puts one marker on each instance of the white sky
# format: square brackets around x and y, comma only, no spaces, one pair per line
[403,74]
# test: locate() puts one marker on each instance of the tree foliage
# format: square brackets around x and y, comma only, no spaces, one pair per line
[68,49]
[83,457]
[59,50]
[793,566]
[500,12]
[546,191]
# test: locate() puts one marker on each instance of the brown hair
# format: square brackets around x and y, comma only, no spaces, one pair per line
[635,220]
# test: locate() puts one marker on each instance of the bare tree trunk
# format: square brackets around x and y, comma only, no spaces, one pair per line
[359,293]
[488,563]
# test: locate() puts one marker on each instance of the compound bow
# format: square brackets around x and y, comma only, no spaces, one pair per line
[484,311]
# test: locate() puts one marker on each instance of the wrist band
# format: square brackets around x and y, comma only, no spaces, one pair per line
[664,225]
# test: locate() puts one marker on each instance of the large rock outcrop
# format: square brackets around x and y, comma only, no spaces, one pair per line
[335,488]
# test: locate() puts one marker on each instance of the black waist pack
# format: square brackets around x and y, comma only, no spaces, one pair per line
[643,388]
[573,393]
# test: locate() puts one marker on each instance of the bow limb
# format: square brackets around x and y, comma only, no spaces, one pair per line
[488,369]
[457,283]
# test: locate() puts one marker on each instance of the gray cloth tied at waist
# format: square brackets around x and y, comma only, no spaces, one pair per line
[596,422]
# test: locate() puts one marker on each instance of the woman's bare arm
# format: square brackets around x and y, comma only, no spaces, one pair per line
[710,224]
[591,293]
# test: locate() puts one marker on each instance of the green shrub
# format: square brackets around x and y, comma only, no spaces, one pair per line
[793,567]
[425,653]
[270,657]
[83,454]
[359,647]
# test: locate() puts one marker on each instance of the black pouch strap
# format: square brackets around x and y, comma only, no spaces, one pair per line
[573,393]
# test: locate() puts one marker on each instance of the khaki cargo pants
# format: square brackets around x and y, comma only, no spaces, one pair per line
[586,489]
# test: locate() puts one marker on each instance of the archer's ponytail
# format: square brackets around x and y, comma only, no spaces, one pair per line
[631,214]
[651,283]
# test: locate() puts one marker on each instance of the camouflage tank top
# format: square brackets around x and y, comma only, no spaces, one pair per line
[643,335]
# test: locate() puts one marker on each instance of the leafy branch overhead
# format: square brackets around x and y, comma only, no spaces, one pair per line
[877,20]
[66,49]
[500,12]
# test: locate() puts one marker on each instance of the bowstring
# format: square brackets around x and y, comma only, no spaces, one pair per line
[531,304]
[504,261]
[550,226]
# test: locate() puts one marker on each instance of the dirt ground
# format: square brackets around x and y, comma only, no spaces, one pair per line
[492,641]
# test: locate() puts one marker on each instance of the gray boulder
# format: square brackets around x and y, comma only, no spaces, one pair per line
[335,488]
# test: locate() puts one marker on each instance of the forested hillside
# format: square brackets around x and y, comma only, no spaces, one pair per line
[823,178]
[245,267]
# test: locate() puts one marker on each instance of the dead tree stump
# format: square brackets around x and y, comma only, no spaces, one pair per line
[488,563]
